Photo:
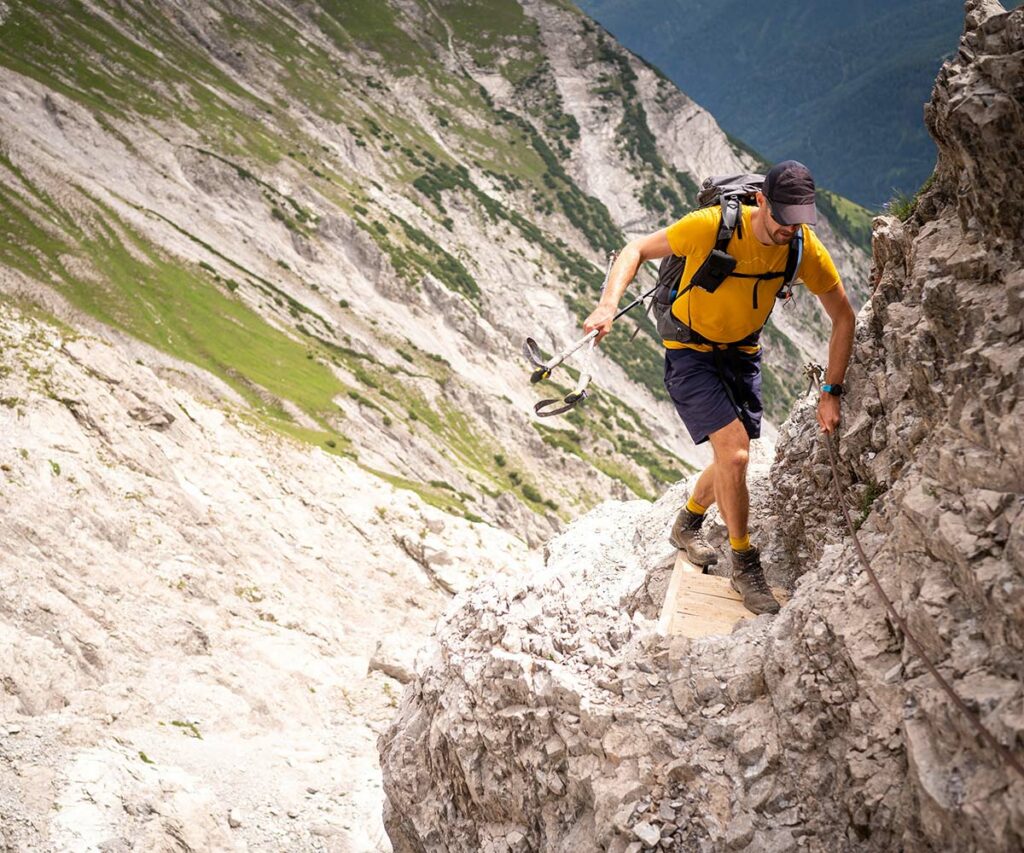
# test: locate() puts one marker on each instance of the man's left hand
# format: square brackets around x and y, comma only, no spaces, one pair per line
[828,412]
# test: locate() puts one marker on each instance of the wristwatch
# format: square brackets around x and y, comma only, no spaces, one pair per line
[835,389]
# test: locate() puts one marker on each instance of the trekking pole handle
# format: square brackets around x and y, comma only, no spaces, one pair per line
[544,368]
[578,394]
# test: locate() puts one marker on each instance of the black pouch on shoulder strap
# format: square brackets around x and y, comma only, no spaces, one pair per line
[717,267]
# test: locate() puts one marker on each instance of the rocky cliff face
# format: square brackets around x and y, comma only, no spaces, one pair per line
[551,717]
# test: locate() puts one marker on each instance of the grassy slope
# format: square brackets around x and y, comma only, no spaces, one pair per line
[106,63]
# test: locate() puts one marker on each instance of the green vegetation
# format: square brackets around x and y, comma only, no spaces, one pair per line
[85,57]
[587,213]
[371,25]
[531,494]
[603,418]
[741,148]
[252,594]
[444,266]
[633,130]
[295,308]
[487,29]
[536,87]
[871,493]
[902,206]
[782,377]
[662,198]
[187,728]
[668,191]
[440,498]
[848,218]
[167,304]
[296,219]
[689,187]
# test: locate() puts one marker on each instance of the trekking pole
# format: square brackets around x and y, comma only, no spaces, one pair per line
[532,351]
[542,368]
[543,408]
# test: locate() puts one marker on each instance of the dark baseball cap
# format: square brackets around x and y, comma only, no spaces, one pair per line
[789,188]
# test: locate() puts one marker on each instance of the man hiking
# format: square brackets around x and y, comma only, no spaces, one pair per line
[712,358]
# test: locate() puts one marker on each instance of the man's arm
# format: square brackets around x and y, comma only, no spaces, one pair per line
[840,346]
[637,252]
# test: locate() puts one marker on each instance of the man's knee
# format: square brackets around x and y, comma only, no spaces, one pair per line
[734,459]
[732,447]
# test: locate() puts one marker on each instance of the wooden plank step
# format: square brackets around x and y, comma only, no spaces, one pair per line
[699,605]
[695,630]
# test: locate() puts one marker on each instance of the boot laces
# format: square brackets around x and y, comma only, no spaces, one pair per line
[751,563]
[760,584]
[693,523]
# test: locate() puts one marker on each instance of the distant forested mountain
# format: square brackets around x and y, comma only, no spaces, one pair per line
[841,86]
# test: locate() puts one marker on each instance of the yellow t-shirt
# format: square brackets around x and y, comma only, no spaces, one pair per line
[728,315]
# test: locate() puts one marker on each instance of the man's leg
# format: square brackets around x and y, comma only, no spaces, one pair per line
[704,492]
[732,451]
[729,472]
[686,534]
[686,530]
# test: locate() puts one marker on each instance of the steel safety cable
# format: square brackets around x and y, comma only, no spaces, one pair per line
[982,730]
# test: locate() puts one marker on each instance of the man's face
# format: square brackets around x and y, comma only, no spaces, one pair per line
[780,235]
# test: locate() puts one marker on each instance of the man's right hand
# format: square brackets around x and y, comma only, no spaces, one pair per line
[637,251]
[600,319]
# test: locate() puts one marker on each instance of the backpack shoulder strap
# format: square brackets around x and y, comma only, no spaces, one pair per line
[796,254]
[729,222]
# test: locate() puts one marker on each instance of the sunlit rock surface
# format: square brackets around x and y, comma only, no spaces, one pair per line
[551,717]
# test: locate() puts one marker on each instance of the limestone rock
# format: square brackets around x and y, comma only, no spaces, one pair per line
[819,729]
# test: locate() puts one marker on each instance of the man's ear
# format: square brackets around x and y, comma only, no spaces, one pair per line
[759,198]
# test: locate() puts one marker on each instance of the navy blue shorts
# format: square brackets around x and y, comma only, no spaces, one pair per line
[712,389]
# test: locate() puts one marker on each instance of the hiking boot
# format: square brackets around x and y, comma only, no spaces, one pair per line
[748,580]
[686,536]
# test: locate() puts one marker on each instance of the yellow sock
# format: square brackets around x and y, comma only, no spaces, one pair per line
[694,507]
[740,544]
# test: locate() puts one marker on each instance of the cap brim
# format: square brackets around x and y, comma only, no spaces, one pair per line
[795,214]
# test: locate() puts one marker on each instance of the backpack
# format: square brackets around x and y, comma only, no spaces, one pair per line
[730,192]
